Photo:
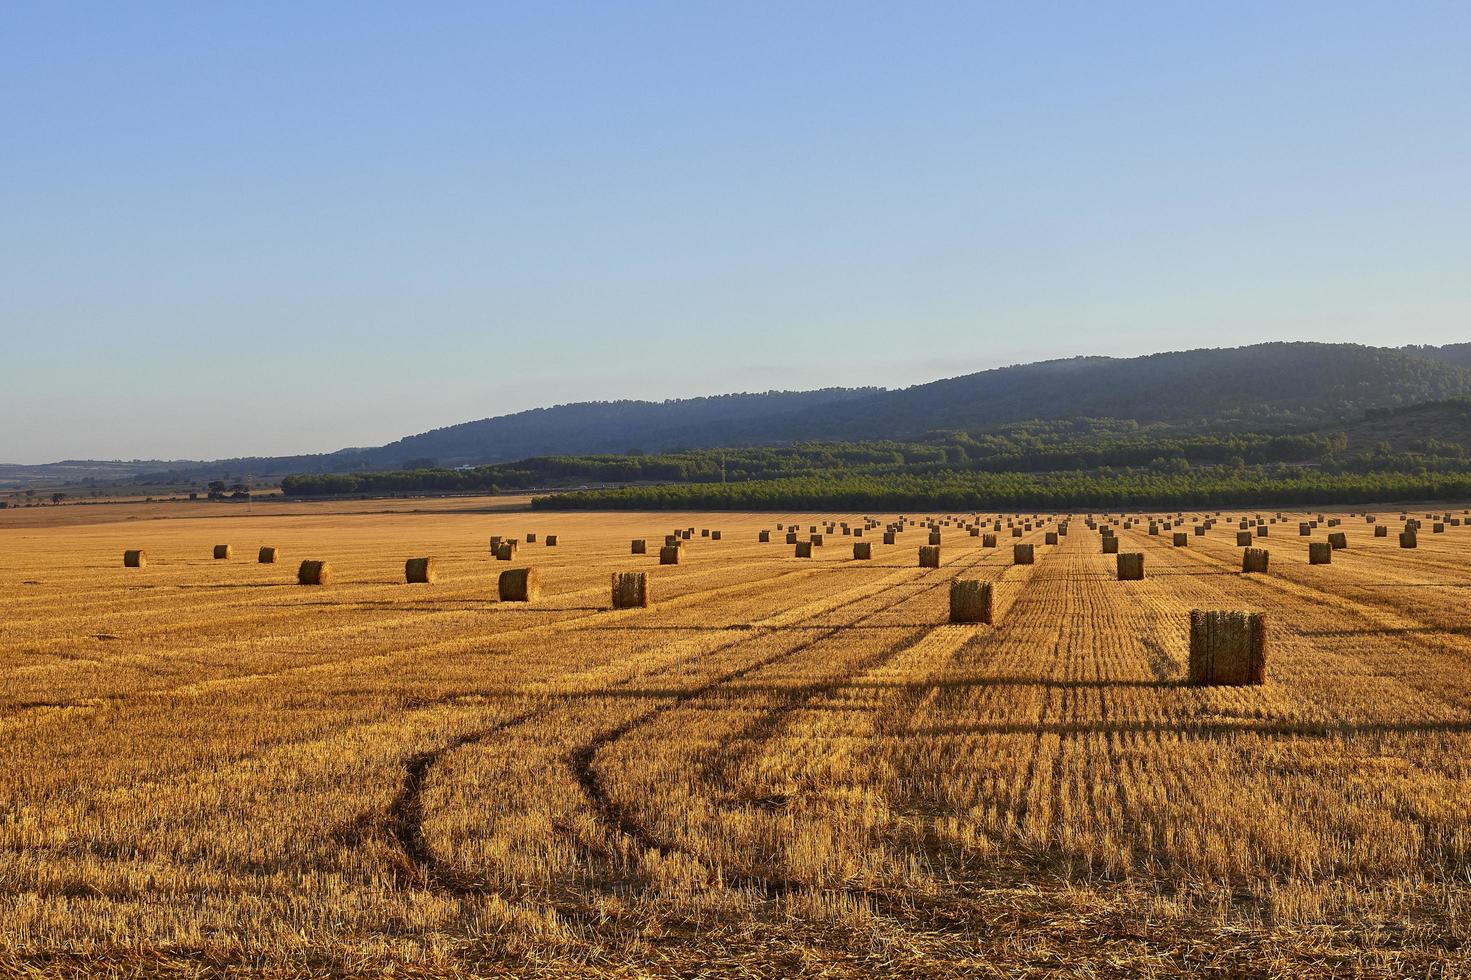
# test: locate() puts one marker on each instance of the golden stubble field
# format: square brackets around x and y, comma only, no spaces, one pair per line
[783,767]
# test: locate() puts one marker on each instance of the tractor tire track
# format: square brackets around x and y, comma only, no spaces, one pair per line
[406,814]
[771,887]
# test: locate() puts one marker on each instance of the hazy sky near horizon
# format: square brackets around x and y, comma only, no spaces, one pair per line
[270,228]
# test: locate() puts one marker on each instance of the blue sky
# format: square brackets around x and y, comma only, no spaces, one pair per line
[271,228]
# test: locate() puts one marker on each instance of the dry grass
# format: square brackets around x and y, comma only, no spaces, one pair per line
[782,768]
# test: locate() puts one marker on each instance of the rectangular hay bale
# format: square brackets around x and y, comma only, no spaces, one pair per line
[1227,647]
[1255,560]
[970,601]
[630,590]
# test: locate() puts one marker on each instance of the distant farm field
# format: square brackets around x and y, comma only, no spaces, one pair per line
[782,767]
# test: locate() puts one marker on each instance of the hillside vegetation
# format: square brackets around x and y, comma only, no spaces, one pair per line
[1272,386]
[1266,387]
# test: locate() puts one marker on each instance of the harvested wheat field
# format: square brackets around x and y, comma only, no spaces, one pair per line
[779,767]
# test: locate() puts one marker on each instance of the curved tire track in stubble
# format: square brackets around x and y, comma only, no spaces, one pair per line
[405,815]
[770,886]
[406,812]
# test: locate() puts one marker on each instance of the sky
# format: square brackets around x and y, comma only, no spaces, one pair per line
[272,228]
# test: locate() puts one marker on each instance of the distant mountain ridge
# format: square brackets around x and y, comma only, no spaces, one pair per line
[1263,386]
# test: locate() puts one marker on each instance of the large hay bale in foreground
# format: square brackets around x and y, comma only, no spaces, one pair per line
[988,541]
[1227,647]
[862,550]
[639,546]
[763,537]
[1181,539]
[670,554]
[520,585]
[420,571]
[970,601]
[929,556]
[1320,553]
[1338,540]
[1110,545]
[630,590]
[223,551]
[313,573]
[1023,554]
[714,535]
[804,549]
[1243,539]
[1130,566]
[1255,560]
[1407,539]
[268,556]
[1381,530]
[135,559]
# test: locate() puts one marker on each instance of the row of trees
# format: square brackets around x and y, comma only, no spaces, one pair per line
[1217,487]
[1026,448]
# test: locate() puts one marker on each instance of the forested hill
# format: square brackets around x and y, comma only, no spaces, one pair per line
[1266,386]
[617,427]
